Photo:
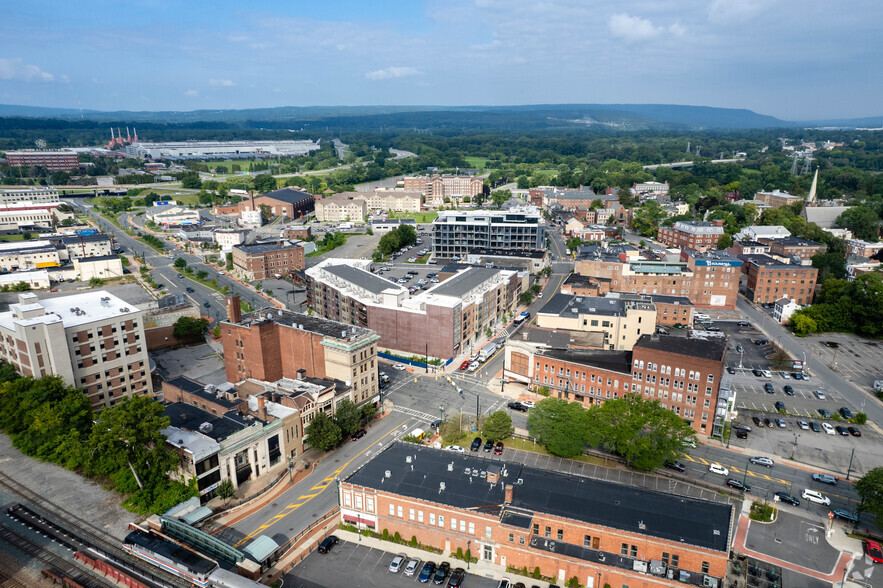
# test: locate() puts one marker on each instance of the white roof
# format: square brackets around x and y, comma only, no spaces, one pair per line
[93,306]
[15,245]
[16,277]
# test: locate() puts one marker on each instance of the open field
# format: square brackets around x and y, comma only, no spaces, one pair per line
[420,217]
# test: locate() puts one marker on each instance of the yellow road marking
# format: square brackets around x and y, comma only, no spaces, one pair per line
[292,507]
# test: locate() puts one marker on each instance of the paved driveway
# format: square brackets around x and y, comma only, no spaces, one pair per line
[794,539]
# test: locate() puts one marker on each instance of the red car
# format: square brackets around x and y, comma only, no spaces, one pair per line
[872,548]
[498,448]
[464,365]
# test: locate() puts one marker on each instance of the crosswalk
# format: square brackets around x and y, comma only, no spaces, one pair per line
[415,413]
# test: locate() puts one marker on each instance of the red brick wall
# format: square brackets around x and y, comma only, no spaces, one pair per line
[251,352]
[794,281]
[301,349]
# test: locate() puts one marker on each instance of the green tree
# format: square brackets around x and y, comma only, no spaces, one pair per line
[323,433]
[205,197]
[526,298]
[189,328]
[225,490]
[862,221]
[646,218]
[498,426]
[640,430]
[389,243]
[266,212]
[191,182]
[725,241]
[802,325]
[348,417]
[870,490]
[368,411]
[229,258]
[560,426]
[96,282]
[829,265]
[180,263]
[498,197]
[573,243]
[201,274]
[265,183]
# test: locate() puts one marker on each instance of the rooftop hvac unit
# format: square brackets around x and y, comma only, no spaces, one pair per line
[441,487]
[451,467]
[407,459]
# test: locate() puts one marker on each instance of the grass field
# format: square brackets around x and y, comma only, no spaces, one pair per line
[420,217]
[19,237]
[476,162]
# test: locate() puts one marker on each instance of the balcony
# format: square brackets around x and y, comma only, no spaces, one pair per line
[653,568]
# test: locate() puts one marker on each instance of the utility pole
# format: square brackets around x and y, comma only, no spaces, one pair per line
[849,468]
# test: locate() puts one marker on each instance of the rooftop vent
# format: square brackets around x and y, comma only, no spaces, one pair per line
[387,474]
[407,459]
[451,467]
[642,526]
[441,487]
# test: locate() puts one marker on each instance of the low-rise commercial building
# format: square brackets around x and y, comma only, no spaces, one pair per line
[287,202]
[260,261]
[271,345]
[524,517]
[32,195]
[440,322]
[788,248]
[531,260]
[172,215]
[621,321]
[698,235]
[93,341]
[456,233]
[227,238]
[51,160]
[770,279]
[18,220]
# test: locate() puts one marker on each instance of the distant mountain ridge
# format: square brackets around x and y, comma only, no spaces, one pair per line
[398,117]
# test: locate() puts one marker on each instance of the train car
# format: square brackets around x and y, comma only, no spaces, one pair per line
[171,557]
[222,578]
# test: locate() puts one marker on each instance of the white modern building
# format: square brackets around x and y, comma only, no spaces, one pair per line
[93,341]
[172,215]
[455,233]
[35,195]
[219,149]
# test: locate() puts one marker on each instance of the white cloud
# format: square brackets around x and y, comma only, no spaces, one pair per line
[392,72]
[16,69]
[734,11]
[191,93]
[677,29]
[632,29]
[222,83]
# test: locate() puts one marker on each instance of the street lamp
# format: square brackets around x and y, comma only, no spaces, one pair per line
[469,556]
[745,477]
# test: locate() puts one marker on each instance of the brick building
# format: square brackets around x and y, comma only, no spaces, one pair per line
[51,160]
[525,517]
[286,202]
[343,207]
[578,285]
[270,345]
[770,279]
[436,188]
[620,321]
[698,235]
[687,383]
[859,248]
[443,321]
[260,261]
[709,279]
[299,232]
[788,247]
[94,341]
[777,198]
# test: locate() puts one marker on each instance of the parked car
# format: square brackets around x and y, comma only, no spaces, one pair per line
[396,564]
[803,425]
[741,434]
[819,394]
[828,428]
[845,413]
[358,435]
[473,367]
[517,406]
[412,566]
[190,290]
[841,430]
[730,370]
[741,426]
[769,388]
[767,374]
[675,465]
[785,497]
[527,403]
[768,422]
[816,497]
[815,427]
[457,577]
[780,405]
[825,412]
[399,366]
[757,421]
[738,485]
[464,365]
[716,468]
[872,548]
[764,461]
[476,444]
[854,432]
[504,583]
[845,515]
[757,373]
[789,390]
[441,573]
[488,446]
[743,324]
[427,572]
[825,479]
[498,448]
[781,423]
[455,448]
[327,543]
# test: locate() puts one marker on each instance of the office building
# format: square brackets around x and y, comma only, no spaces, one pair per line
[698,235]
[29,195]
[51,160]
[520,516]
[617,323]
[455,233]
[794,248]
[93,341]
[259,261]
[770,279]
[343,207]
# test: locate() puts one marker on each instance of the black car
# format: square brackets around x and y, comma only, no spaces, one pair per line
[757,373]
[757,421]
[738,426]
[441,573]
[358,435]
[769,388]
[789,390]
[190,290]
[738,485]
[761,342]
[730,370]
[180,276]
[780,405]
[517,406]
[845,413]
[476,444]
[675,465]
[741,434]
[488,445]
[456,579]
[825,413]
[743,324]
[713,328]
[785,497]
[160,286]
[768,422]
[854,432]
[841,430]
[327,543]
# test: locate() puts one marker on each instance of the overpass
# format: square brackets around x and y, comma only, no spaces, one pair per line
[678,164]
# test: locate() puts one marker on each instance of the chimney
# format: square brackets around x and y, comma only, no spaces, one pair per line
[717,222]
[251,195]
[301,373]
[508,493]
[234,310]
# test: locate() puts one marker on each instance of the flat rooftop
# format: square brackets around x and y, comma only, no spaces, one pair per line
[73,310]
[537,491]
[172,551]
[614,361]
[257,248]
[698,346]
[198,389]
[359,277]
[191,418]
[526,253]
[564,305]
[464,282]
[305,322]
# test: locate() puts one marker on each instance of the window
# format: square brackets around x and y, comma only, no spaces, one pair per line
[560,534]
[548,533]
[634,551]
[419,516]
[400,514]
[487,532]
[432,519]
[521,539]
[463,526]
[511,537]
[410,514]
[453,524]
[536,529]
[665,557]
[346,499]
[624,549]
[587,540]
[441,521]
[705,567]
[674,561]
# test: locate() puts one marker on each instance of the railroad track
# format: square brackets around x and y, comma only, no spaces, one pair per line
[86,533]
[42,554]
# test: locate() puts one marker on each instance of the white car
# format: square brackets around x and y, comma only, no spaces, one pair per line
[400,367]
[826,427]
[816,497]
[396,564]
[767,373]
[473,366]
[803,425]
[455,448]
[716,468]
[819,394]
[527,403]
[412,567]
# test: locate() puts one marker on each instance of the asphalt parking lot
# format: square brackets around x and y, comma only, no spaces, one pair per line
[853,357]
[751,395]
[357,565]
[751,356]
[781,538]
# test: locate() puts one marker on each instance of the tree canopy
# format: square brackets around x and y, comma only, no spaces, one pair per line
[559,425]
[870,489]
[498,426]
[323,433]
[850,307]
[394,240]
[348,417]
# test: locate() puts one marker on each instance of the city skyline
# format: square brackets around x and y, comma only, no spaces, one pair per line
[782,58]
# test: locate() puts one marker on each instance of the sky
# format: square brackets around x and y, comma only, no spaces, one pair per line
[793,59]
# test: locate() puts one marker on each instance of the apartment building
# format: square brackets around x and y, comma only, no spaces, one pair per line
[93,341]
[32,195]
[709,279]
[791,247]
[455,233]
[271,345]
[777,198]
[227,238]
[51,160]
[440,322]
[770,279]
[698,235]
[437,188]
[525,517]
[260,261]
[343,207]
[394,200]
[619,322]
[859,248]
[650,188]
